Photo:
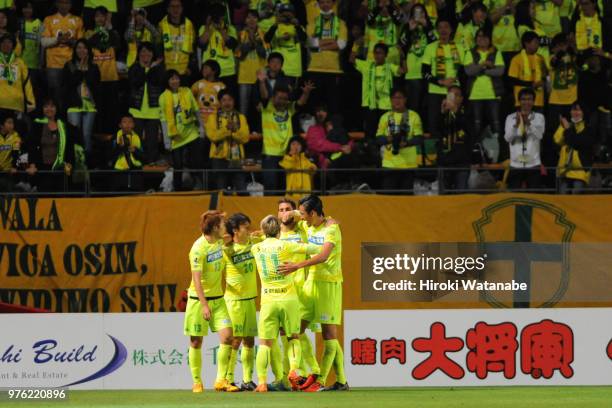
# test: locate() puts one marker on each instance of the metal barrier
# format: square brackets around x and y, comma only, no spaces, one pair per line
[324,182]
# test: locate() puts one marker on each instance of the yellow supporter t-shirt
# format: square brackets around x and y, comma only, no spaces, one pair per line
[483,85]
[271,253]
[330,270]
[207,258]
[8,144]
[564,83]
[251,63]
[527,71]
[325,29]
[54,25]
[390,123]
[277,129]
[218,51]
[178,44]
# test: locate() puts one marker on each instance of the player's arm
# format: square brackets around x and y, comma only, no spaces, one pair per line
[197,275]
[321,257]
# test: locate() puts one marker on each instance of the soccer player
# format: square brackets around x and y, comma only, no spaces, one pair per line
[322,291]
[240,294]
[280,306]
[206,305]
[295,231]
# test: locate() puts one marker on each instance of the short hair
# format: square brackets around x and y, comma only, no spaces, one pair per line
[280,89]
[147,45]
[528,37]
[126,115]
[382,46]
[234,222]
[399,90]
[312,203]
[298,139]
[526,91]
[210,220]
[443,20]
[169,74]
[214,65]
[224,92]
[270,226]
[101,9]
[558,40]
[276,55]
[6,115]
[253,12]
[289,201]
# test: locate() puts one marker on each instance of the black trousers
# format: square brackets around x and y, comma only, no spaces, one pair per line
[236,178]
[185,157]
[149,132]
[529,176]
[397,179]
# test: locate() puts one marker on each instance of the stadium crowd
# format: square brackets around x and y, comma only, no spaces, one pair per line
[521,86]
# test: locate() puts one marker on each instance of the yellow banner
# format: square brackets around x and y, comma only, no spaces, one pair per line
[126,254]
[129,254]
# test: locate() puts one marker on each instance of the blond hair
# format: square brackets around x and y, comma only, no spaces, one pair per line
[270,226]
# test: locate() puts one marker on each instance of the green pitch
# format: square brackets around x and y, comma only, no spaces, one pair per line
[511,397]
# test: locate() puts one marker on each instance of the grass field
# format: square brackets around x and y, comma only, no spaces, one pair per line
[512,397]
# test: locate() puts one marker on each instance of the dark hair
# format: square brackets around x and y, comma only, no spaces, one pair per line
[444,20]
[289,201]
[521,14]
[253,12]
[224,92]
[382,46]
[126,115]
[399,89]
[210,220]
[147,45]
[280,89]
[298,139]
[48,101]
[217,11]
[169,74]
[89,51]
[526,91]
[6,115]
[214,65]
[312,203]
[101,9]
[558,40]
[233,223]
[276,55]
[479,7]
[321,107]
[10,37]
[528,37]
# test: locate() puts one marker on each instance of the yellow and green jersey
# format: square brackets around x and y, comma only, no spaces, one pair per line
[240,271]
[408,122]
[277,129]
[330,270]
[505,37]
[271,253]
[207,258]
[299,236]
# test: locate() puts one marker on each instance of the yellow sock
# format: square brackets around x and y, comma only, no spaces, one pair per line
[308,355]
[262,362]
[195,364]
[294,354]
[248,361]
[231,366]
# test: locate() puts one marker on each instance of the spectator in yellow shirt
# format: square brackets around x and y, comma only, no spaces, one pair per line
[528,69]
[299,169]
[60,32]
[327,37]
[251,54]
[228,131]
[15,87]
[178,38]
[10,146]
[218,39]
[105,43]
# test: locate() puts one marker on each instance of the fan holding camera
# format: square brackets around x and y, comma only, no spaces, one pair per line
[399,133]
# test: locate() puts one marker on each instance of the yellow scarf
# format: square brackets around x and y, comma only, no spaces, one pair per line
[186,31]
[531,73]
[442,55]
[182,113]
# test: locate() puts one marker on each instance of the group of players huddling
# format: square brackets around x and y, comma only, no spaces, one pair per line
[297,255]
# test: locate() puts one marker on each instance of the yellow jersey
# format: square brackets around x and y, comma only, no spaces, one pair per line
[330,270]
[207,258]
[55,25]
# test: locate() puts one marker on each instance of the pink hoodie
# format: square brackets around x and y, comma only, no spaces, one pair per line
[318,145]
